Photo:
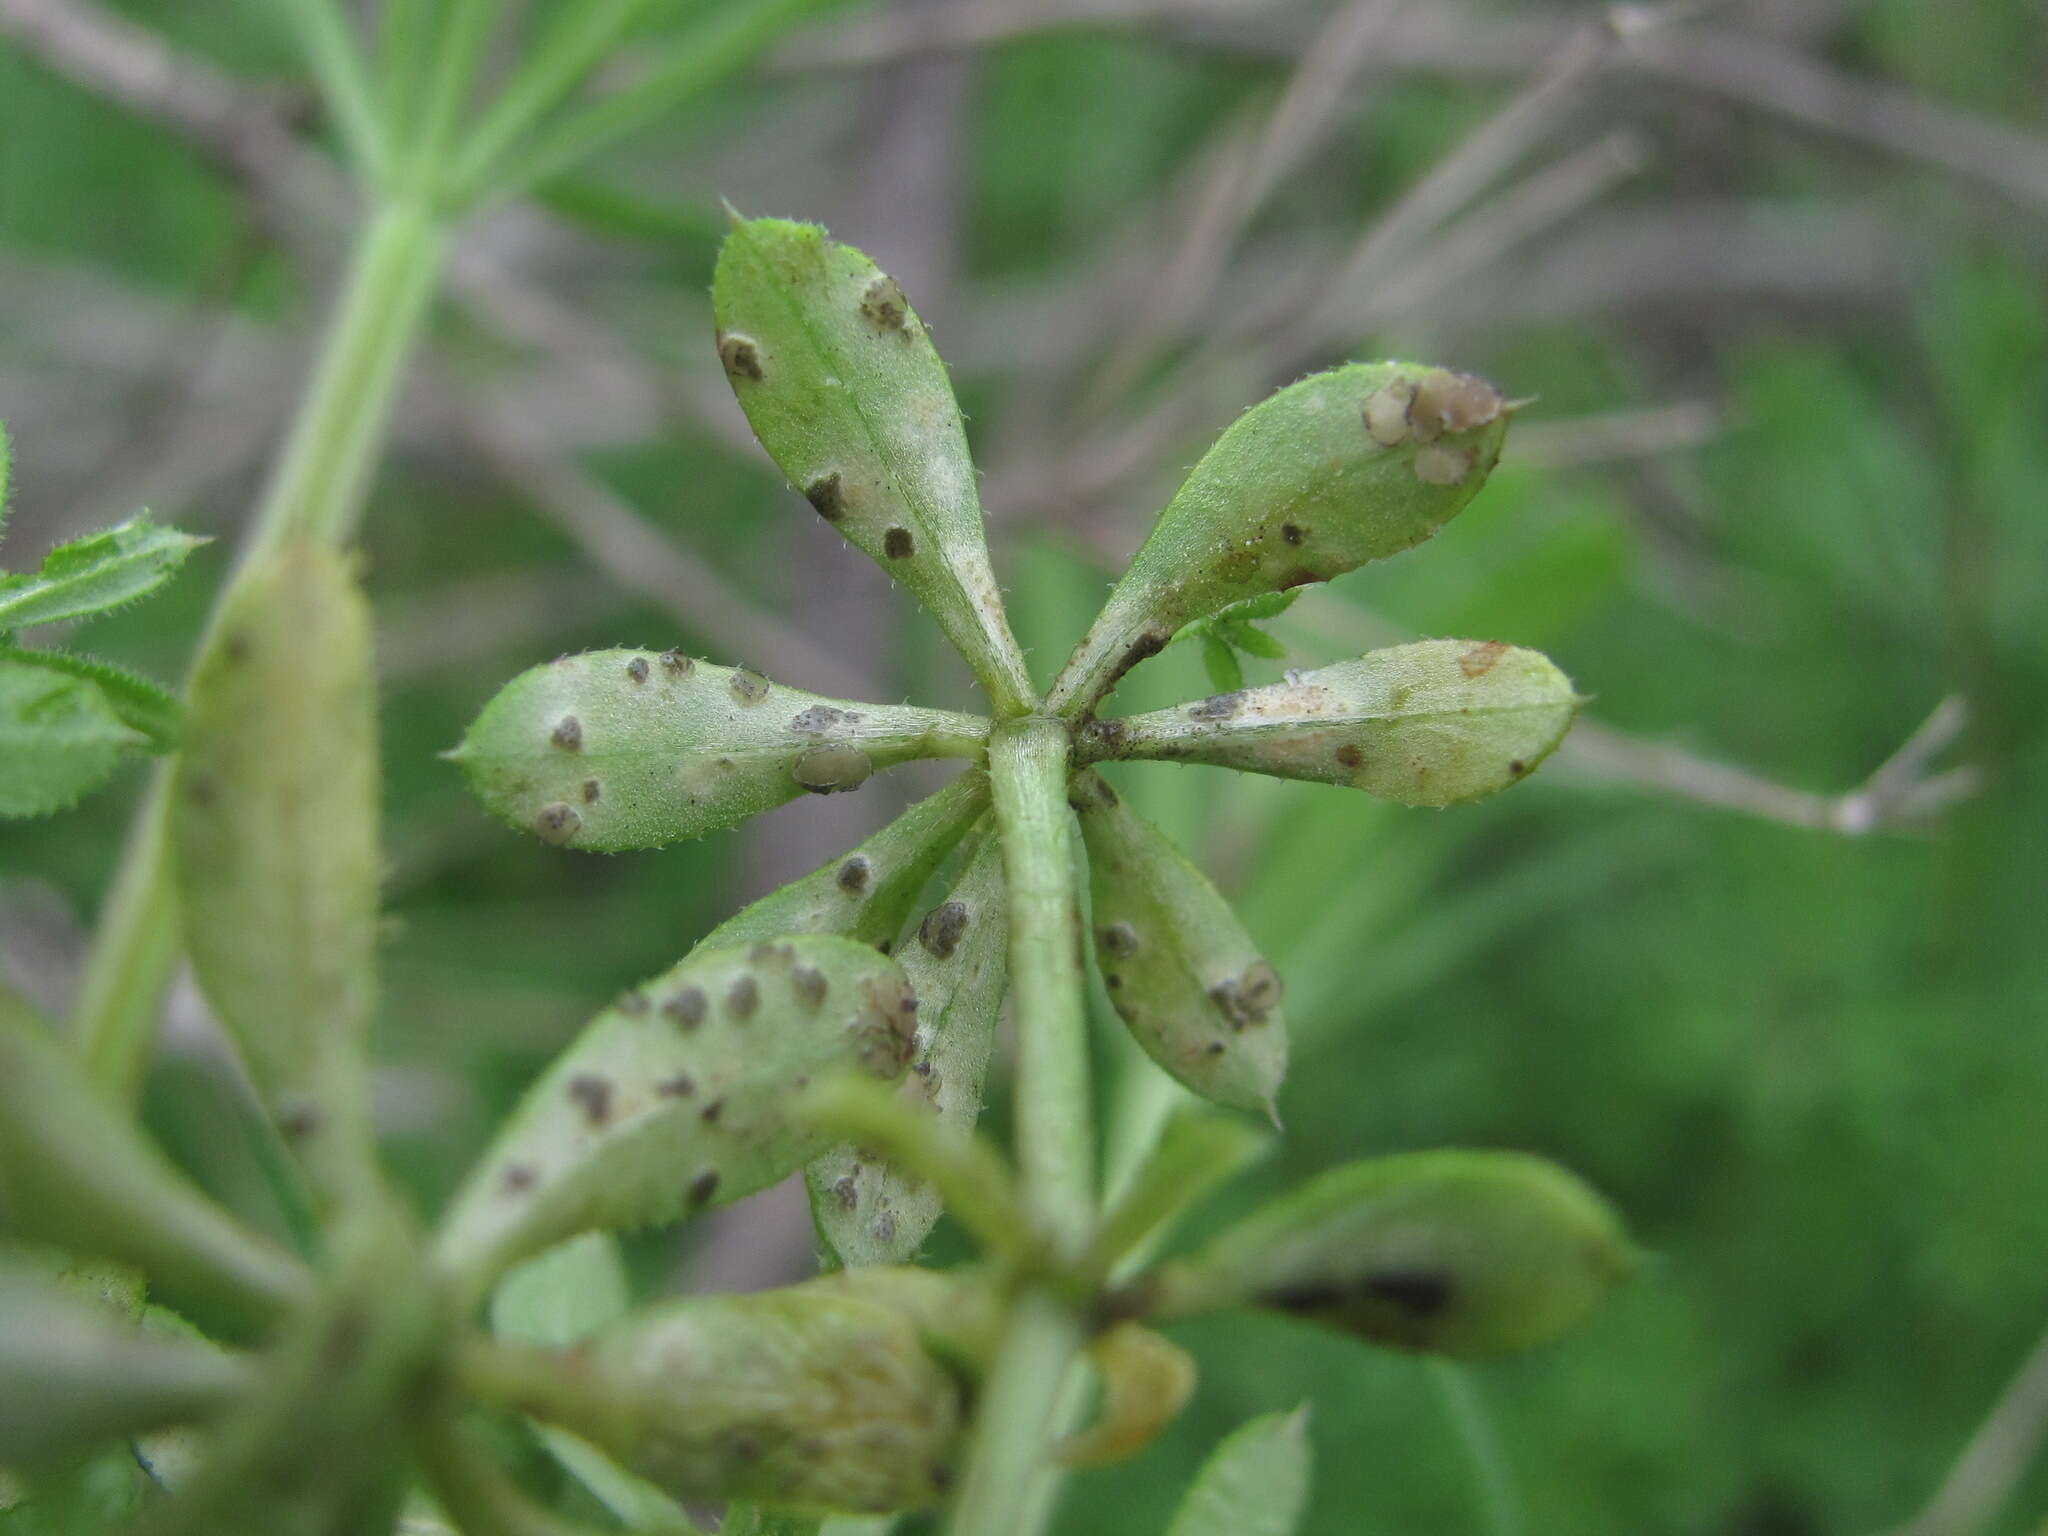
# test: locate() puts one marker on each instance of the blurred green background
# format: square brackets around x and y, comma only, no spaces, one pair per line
[1774,274]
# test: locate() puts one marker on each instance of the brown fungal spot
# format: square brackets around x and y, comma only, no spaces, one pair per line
[299,1123]
[1293,533]
[710,1112]
[1300,576]
[1437,465]
[943,928]
[882,303]
[568,734]
[1248,999]
[831,770]
[634,1002]
[748,686]
[809,986]
[1214,1048]
[517,1178]
[1306,1298]
[1451,402]
[1219,706]
[1350,755]
[1149,643]
[1480,660]
[741,356]
[593,1095]
[768,952]
[681,1086]
[636,669]
[1418,1292]
[677,664]
[884,1228]
[1386,413]
[1112,981]
[235,646]
[827,496]
[1517,767]
[742,999]
[818,720]
[556,823]
[1117,939]
[897,544]
[846,1191]
[702,1188]
[853,876]
[592,791]
[1105,738]
[686,1008]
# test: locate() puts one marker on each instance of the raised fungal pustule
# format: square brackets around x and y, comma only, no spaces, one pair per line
[1433,723]
[611,750]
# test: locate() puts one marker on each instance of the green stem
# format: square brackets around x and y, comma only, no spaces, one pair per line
[1475,1431]
[316,490]
[1021,1411]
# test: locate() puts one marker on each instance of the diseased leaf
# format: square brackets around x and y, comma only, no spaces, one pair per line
[674,1098]
[59,738]
[1433,723]
[868,1211]
[95,573]
[137,703]
[1178,965]
[1343,467]
[275,826]
[1255,1483]
[1460,1253]
[844,389]
[613,750]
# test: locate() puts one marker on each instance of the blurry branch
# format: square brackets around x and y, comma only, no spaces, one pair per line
[1751,70]
[1901,793]
[1985,1476]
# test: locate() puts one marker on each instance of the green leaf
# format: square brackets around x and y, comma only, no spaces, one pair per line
[275,826]
[1433,723]
[59,738]
[1178,965]
[1255,1483]
[1221,662]
[1198,1151]
[1459,1253]
[77,1174]
[137,702]
[613,750]
[869,1210]
[676,1097]
[844,389]
[95,573]
[79,1373]
[1251,640]
[1299,489]
[561,1298]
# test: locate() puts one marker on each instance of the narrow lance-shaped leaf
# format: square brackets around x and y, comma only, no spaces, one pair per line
[275,823]
[844,389]
[95,573]
[675,1097]
[78,1373]
[868,894]
[832,1395]
[1460,1253]
[1255,1483]
[869,1211]
[59,739]
[613,750]
[1178,965]
[137,703]
[1343,467]
[1433,723]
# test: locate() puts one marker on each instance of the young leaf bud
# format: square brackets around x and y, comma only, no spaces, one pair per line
[1460,1253]
[868,894]
[1179,967]
[868,1211]
[1432,723]
[674,1098]
[813,1396]
[846,392]
[1311,483]
[623,749]
[275,822]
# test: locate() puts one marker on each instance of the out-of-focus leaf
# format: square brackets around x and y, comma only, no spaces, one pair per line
[59,738]
[613,750]
[843,387]
[95,573]
[137,702]
[1255,1483]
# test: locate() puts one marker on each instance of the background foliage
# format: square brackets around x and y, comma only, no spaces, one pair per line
[1808,1065]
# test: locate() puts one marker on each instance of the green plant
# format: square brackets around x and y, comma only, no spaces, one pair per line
[167,1366]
